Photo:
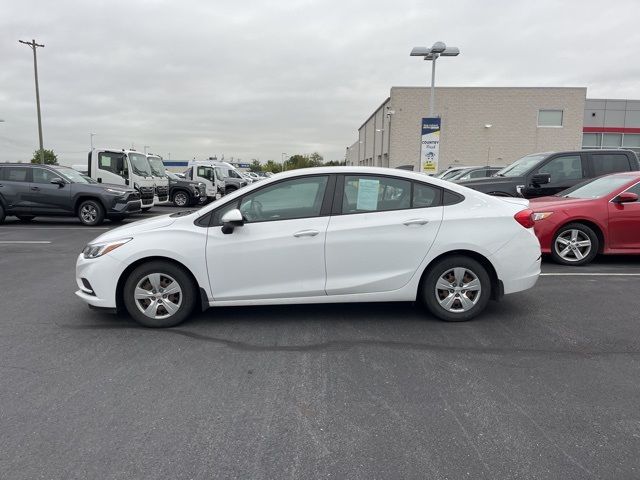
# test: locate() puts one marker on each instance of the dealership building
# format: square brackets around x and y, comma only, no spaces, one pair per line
[493,125]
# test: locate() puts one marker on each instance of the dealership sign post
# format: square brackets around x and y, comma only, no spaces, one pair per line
[430,148]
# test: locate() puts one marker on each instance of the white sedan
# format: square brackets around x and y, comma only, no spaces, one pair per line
[318,235]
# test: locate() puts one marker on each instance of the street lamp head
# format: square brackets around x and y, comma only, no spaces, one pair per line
[488,125]
[419,52]
[438,47]
[450,52]
[431,56]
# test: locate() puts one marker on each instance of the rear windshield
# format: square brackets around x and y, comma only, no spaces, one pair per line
[597,188]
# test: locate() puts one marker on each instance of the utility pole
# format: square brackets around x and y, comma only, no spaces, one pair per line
[33,46]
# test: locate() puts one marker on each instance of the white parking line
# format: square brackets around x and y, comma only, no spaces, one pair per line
[590,274]
[23,241]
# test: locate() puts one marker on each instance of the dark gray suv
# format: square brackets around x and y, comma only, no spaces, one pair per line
[28,191]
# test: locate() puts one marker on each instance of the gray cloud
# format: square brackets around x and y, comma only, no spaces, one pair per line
[253,79]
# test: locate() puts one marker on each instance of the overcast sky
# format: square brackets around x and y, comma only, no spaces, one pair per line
[253,79]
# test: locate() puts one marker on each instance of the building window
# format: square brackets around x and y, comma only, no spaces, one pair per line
[591,140]
[631,140]
[550,118]
[612,140]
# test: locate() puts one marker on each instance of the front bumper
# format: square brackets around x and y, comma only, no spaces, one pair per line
[123,207]
[100,275]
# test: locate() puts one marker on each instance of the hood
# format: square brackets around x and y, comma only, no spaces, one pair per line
[544,203]
[488,181]
[134,228]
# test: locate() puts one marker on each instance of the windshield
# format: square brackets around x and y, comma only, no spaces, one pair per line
[596,188]
[157,167]
[450,174]
[140,165]
[521,166]
[72,175]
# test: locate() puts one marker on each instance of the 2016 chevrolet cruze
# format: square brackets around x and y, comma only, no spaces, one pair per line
[322,235]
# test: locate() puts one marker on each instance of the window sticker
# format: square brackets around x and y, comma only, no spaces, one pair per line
[367,194]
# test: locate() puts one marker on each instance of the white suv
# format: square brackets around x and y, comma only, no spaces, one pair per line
[321,235]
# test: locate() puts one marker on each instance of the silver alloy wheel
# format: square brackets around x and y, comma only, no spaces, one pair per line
[458,290]
[158,296]
[573,245]
[180,199]
[89,213]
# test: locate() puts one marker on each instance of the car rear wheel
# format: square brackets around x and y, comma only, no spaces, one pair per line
[159,295]
[575,244]
[26,218]
[456,289]
[181,199]
[91,213]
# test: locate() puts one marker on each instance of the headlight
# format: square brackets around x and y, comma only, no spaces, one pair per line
[115,191]
[95,250]
[540,216]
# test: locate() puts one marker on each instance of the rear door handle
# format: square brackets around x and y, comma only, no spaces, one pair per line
[306,233]
[416,221]
[35,188]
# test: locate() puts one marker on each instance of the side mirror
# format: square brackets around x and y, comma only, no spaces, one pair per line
[230,220]
[58,181]
[626,197]
[541,179]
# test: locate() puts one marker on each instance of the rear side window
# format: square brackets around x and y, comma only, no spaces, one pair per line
[451,198]
[604,163]
[15,174]
[425,196]
[375,194]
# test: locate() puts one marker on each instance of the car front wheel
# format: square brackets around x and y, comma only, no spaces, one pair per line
[91,213]
[456,289]
[575,244]
[159,294]
[181,199]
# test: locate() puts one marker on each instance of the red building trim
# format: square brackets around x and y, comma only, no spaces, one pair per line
[610,130]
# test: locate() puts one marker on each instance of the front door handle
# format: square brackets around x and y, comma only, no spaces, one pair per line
[306,233]
[416,221]
[35,189]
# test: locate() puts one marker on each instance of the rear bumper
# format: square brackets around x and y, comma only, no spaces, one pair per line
[517,263]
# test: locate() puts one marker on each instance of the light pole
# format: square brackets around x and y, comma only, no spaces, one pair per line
[91,135]
[488,129]
[390,114]
[34,46]
[439,49]
[283,155]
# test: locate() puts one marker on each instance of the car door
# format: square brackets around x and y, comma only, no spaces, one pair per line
[564,170]
[14,188]
[279,251]
[624,223]
[381,229]
[46,197]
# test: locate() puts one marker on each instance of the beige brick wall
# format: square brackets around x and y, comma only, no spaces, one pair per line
[512,112]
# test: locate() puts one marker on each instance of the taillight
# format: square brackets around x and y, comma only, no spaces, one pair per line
[525,218]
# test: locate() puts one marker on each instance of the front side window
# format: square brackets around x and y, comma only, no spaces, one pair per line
[109,161]
[15,174]
[296,198]
[41,175]
[205,172]
[604,163]
[564,168]
[550,118]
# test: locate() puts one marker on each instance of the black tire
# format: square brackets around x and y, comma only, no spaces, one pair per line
[26,218]
[2,214]
[578,253]
[229,190]
[181,198]
[91,213]
[167,271]
[444,268]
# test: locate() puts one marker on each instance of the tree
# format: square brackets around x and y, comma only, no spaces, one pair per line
[315,160]
[272,167]
[335,163]
[50,158]
[255,166]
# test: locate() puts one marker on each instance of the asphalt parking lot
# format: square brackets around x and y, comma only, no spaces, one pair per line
[545,384]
